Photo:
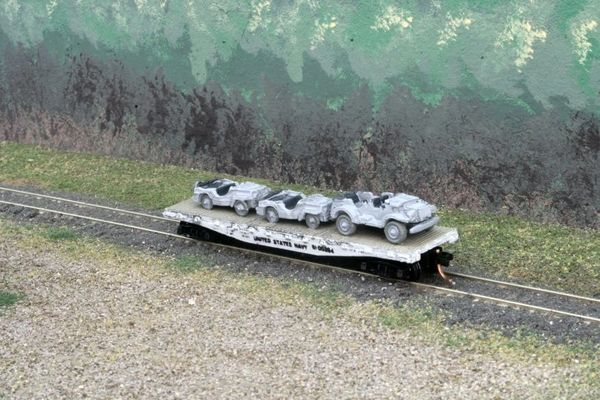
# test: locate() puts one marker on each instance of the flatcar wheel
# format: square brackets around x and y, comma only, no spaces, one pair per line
[344,225]
[205,235]
[241,208]
[312,221]
[395,232]
[272,215]
[415,272]
[206,202]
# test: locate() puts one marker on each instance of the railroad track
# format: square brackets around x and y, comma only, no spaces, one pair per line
[574,301]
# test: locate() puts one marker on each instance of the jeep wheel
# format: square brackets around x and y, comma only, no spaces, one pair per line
[395,232]
[271,215]
[241,208]
[206,202]
[312,221]
[344,225]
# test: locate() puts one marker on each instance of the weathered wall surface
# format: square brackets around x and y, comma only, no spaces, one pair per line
[480,104]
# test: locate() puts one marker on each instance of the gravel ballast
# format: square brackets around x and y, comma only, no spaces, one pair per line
[112,326]
[456,309]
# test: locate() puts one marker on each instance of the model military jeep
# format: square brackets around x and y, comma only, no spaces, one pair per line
[224,192]
[289,204]
[398,214]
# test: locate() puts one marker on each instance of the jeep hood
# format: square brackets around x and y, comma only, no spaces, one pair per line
[401,200]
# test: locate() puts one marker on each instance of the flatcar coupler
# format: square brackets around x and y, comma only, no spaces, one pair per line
[443,258]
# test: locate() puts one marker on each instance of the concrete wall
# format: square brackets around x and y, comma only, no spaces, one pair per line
[481,104]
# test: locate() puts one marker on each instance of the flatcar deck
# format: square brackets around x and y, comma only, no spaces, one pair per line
[296,236]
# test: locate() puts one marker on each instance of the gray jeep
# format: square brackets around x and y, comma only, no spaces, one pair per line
[398,214]
[289,204]
[224,192]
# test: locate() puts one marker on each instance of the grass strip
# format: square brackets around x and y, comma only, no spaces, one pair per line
[549,255]
[189,264]
[60,233]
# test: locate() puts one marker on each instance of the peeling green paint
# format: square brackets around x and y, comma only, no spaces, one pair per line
[335,103]
[381,39]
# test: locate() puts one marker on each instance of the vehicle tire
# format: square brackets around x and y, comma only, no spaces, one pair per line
[344,225]
[241,208]
[312,221]
[395,232]
[206,202]
[271,215]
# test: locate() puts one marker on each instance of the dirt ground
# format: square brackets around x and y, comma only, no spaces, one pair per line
[127,327]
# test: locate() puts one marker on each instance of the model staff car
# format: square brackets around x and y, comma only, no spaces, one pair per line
[398,214]
[224,192]
[289,204]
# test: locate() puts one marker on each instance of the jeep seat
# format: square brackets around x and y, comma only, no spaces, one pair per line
[223,190]
[291,202]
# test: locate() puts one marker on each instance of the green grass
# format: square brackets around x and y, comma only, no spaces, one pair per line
[507,247]
[407,314]
[60,233]
[328,298]
[139,183]
[8,298]
[188,264]
[543,254]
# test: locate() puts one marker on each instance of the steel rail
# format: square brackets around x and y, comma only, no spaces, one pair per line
[527,287]
[85,204]
[504,301]
[178,236]
[416,284]
[94,219]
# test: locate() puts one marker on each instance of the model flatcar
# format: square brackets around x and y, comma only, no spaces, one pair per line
[414,243]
